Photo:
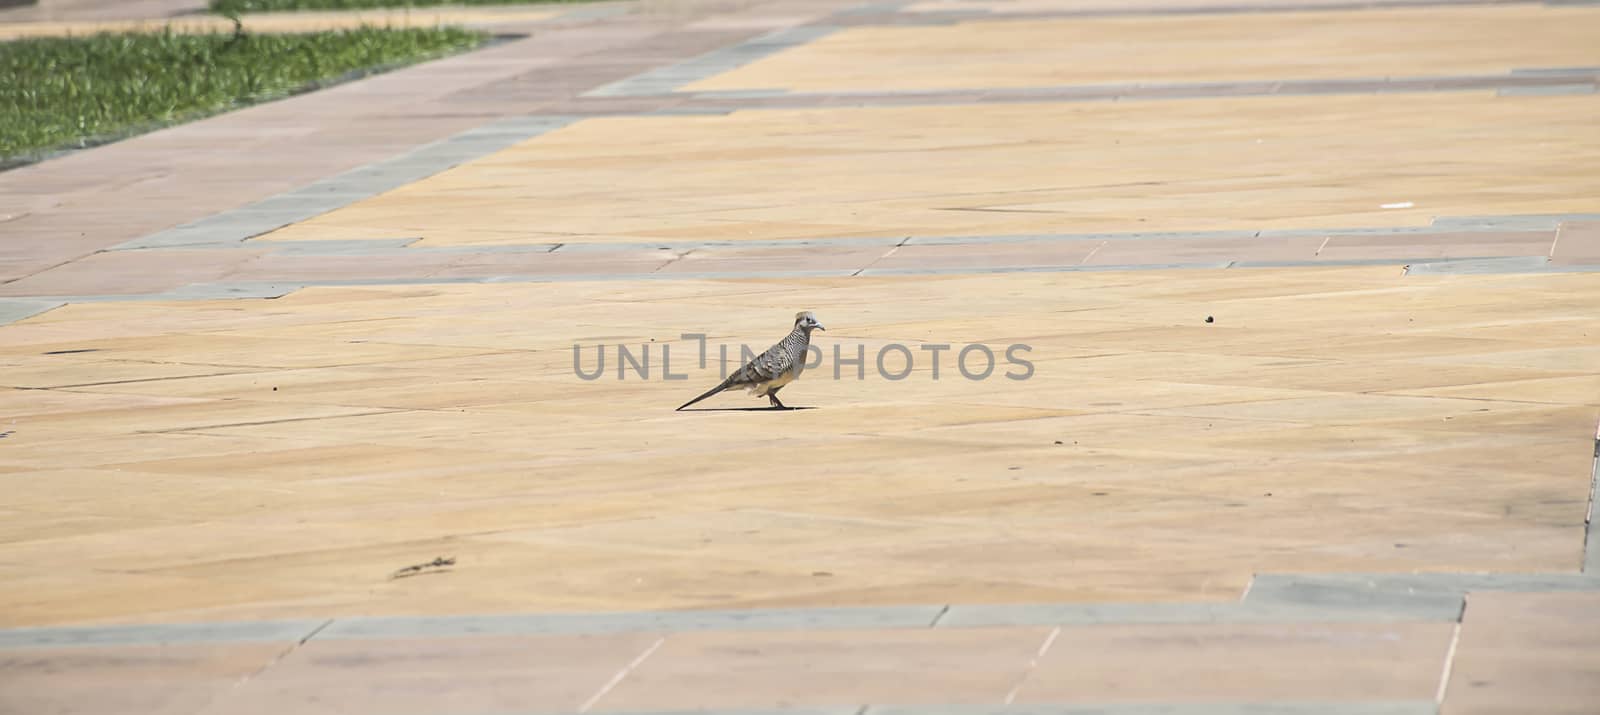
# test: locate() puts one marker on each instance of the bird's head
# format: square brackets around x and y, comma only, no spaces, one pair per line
[806,321]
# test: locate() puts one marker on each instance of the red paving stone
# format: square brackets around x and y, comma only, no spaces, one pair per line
[487,674]
[130,273]
[148,679]
[1514,650]
[1241,663]
[757,671]
[1577,243]
[1527,652]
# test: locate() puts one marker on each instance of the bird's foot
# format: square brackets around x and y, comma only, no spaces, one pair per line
[773,399]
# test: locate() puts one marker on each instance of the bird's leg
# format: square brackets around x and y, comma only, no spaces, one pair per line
[772,397]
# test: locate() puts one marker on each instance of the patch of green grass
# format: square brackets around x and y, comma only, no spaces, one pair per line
[70,92]
[243,6]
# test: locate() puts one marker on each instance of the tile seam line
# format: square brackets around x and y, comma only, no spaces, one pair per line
[1033,665]
[242,680]
[1507,223]
[958,16]
[1519,78]
[1534,76]
[1450,657]
[298,248]
[889,101]
[825,618]
[1491,265]
[621,674]
[236,560]
[230,425]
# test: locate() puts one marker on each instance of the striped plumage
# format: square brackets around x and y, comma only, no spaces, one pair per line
[780,365]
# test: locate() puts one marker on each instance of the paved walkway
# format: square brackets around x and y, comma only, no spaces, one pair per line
[1303,295]
[197,21]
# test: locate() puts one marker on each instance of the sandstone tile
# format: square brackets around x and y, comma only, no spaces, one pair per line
[886,183]
[1175,48]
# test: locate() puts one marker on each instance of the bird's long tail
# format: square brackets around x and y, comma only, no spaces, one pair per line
[708,393]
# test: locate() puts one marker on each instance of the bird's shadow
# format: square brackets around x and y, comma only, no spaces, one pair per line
[747,409]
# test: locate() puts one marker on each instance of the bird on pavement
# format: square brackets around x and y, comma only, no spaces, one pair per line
[778,366]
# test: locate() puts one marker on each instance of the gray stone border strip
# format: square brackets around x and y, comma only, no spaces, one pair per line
[1480,266]
[278,289]
[826,710]
[220,632]
[1499,265]
[1420,593]
[1349,707]
[894,14]
[379,246]
[15,309]
[1546,91]
[232,228]
[20,308]
[866,16]
[875,8]
[1442,224]
[1557,70]
[1270,598]
[1567,81]
[665,80]
[1260,611]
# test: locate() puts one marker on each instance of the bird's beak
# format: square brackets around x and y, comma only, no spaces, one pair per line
[819,327]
